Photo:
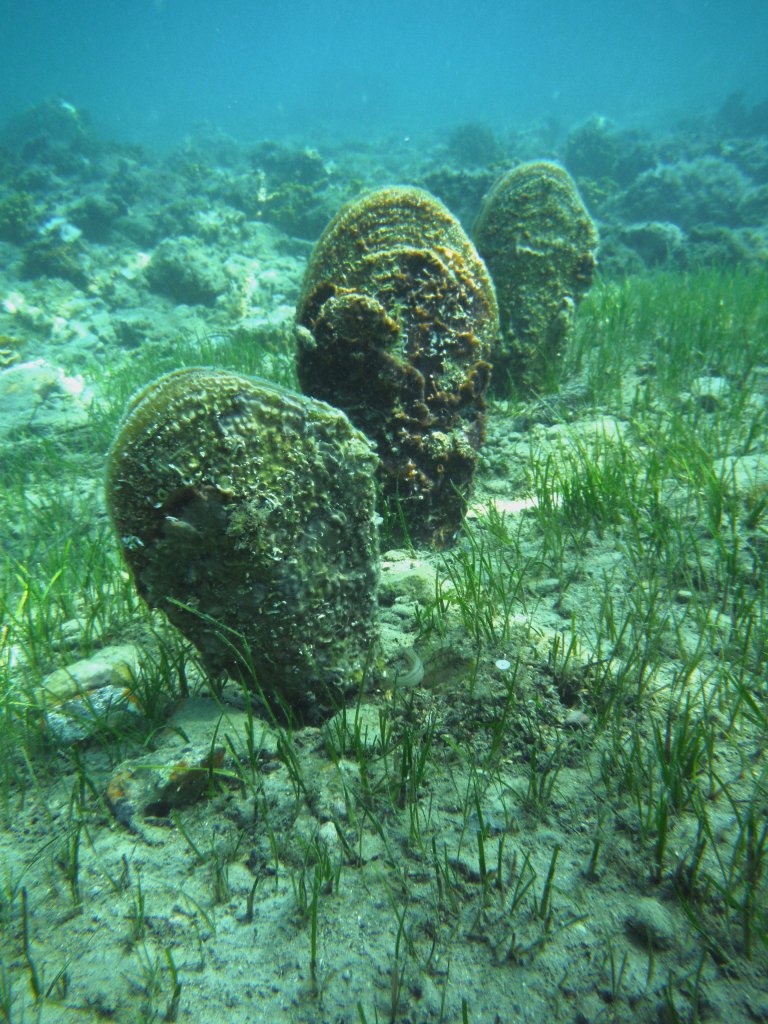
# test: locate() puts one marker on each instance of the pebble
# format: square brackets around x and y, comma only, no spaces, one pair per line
[153,786]
[710,392]
[84,697]
[329,837]
[355,729]
[545,587]
[405,577]
[40,399]
[111,666]
[650,923]
[576,719]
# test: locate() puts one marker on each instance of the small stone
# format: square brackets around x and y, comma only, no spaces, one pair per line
[115,665]
[329,837]
[150,788]
[405,577]
[81,717]
[757,1006]
[90,695]
[355,729]
[40,399]
[576,719]
[710,392]
[550,585]
[650,923]
[656,242]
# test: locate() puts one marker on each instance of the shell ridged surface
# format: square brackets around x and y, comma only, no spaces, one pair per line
[539,243]
[247,514]
[396,324]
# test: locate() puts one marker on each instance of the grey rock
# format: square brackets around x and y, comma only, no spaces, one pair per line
[650,923]
[656,242]
[39,398]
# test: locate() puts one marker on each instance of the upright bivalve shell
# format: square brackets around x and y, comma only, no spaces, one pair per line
[539,244]
[396,325]
[247,514]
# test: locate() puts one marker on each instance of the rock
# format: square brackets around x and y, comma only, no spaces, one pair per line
[709,393]
[547,586]
[656,242]
[461,189]
[358,728]
[183,271]
[473,144]
[201,721]
[109,707]
[756,1004]
[41,399]
[396,323]
[91,695]
[539,244]
[753,208]
[329,837]
[747,474]
[406,577]
[650,923]
[111,665]
[576,720]
[151,787]
[597,149]
[707,189]
[466,860]
[247,514]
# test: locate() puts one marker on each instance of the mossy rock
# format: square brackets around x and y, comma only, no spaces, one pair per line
[184,271]
[246,513]
[396,325]
[18,217]
[539,244]
[296,209]
[50,255]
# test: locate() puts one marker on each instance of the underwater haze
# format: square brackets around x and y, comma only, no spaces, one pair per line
[149,69]
[384,512]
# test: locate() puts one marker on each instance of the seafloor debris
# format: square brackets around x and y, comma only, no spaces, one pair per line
[92,695]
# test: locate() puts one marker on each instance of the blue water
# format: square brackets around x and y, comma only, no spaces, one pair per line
[148,70]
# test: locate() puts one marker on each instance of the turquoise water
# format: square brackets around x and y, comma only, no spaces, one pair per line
[546,798]
[150,69]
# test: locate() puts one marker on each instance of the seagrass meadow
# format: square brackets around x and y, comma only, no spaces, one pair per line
[548,798]
[383,620]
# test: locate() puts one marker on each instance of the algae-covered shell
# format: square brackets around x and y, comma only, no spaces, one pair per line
[539,243]
[399,215]
[396,324]
[247,514]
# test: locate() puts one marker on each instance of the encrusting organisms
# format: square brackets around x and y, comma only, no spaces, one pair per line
[247,514]
[539,243]
[397,324]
